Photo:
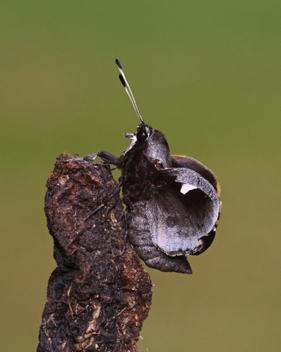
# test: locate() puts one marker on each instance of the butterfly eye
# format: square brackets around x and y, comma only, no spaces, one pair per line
[141,135]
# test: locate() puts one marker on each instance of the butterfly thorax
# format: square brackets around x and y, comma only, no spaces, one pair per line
[141,163]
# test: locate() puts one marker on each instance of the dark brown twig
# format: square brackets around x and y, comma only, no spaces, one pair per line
[97,299]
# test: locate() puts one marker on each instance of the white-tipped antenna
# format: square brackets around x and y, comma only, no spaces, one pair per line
[128,90]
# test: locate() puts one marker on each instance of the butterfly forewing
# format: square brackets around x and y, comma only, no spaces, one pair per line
[178,220]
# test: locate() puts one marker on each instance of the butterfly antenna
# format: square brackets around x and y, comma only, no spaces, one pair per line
[128,90]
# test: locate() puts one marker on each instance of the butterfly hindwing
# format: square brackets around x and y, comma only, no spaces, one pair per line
[139,235]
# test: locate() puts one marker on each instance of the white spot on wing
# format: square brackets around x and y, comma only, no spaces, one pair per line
[186,188]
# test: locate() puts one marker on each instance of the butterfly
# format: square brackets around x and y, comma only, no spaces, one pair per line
[172,201]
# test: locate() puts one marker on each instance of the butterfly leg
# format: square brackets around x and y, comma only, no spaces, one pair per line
[105,156]
[115,191]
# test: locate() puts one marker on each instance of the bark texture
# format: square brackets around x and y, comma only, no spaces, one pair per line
[99,294]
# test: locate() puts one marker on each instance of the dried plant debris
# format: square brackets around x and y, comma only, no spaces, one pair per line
[99,294]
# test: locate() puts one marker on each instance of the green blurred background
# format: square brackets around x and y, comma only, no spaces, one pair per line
[207,74]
